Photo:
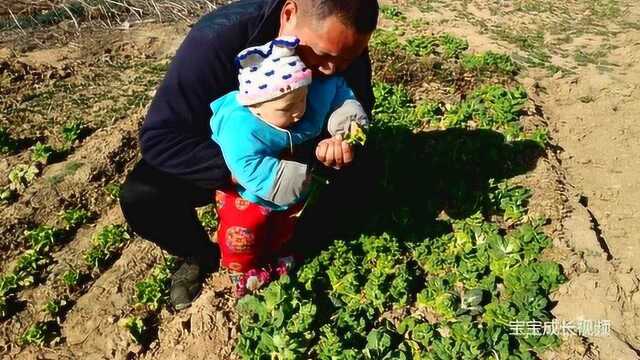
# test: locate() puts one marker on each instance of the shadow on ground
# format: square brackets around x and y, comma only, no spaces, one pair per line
[404,181]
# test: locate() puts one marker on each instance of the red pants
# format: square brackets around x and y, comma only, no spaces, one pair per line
[251,235]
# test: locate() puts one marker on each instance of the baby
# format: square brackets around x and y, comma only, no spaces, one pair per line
[258,127]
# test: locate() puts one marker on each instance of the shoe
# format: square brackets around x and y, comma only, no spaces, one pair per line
[186,284]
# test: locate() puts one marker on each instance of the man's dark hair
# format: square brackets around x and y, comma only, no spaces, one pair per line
[361,15]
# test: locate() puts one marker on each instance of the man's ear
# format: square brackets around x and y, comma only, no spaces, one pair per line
[288,18]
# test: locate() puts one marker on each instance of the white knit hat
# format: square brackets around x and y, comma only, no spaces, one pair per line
[270,70]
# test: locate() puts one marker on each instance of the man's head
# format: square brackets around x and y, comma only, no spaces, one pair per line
[332,33]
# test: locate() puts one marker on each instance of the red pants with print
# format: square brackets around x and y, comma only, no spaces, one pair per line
[251,235]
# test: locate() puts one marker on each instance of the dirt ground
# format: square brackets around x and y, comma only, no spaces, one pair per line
[582,61]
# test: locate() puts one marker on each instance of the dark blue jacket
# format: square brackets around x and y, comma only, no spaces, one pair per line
[175,136]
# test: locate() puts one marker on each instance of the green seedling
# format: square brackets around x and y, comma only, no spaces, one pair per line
[36,334]
[42,238]
[74,218]
[153,292]
[113,190]
[7,195]
[71,278]
[41,153]
[421,45]
[71,132]
[391,12]
[208,219]
[489,62]
[41,333]
[510,200]
[452,46]
[21,176]
[105,245]
[29,265]
[136,327]
[55,307]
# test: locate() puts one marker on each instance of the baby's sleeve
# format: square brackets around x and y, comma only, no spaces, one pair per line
[281,182]
[345,109]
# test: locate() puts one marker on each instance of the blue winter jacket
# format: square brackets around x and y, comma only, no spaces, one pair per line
[253,148]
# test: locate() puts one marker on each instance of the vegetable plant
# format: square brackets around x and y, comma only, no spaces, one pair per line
[113,189]
[36,334]
[489,62]
[74,218]
[452,46]
[105,245]
[71,132]
[71,278]
[153,291]
[21,176]
[41,153]
[391,12]
[42,238]
[55,307]
[208,218]
[136,327]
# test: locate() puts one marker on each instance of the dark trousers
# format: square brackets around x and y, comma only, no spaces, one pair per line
[160,207]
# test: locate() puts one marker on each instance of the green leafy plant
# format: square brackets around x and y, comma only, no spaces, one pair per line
[421,45]
[153,291]
[7,195]
[74,218]
[42,238]
[208,218]
[41,153]
[29,265]
[391,12]
[105,245]
[489,62]
[510,200]
[21,176]
[36,334]
[55,307]
[394,106]
[71,132]
[136,327]
[452,46]
[113,190]
[71,278]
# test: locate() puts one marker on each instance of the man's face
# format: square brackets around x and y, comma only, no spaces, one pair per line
[326,46]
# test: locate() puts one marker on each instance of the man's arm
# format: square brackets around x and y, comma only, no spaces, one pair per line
[334,152]
[175,136]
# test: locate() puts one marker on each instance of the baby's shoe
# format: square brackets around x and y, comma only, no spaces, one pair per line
[251,281]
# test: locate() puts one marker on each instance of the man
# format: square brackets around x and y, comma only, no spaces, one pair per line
[181,166]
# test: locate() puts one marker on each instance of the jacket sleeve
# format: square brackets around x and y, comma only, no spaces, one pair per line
[345,110]
[281,182]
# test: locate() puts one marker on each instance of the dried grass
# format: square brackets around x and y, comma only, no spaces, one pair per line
[24,14]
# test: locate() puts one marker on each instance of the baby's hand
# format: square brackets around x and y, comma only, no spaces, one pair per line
[334,152]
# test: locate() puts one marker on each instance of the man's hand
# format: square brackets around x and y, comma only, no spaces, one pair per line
[334,152]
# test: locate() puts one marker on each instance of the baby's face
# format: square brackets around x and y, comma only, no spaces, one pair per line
[285,110]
